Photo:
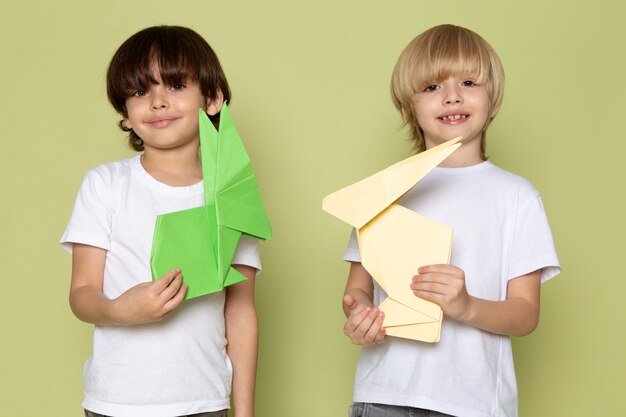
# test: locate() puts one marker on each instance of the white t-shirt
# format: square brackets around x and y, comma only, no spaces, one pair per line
[178,366]
[500,233]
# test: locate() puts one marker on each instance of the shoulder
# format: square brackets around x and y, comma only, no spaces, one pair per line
[111,173]
[100,181]
[113,170]
[511,183]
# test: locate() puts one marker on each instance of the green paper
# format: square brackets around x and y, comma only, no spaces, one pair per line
[202,241]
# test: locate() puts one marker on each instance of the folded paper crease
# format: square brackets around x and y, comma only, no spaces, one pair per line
[395,241]
[202,241]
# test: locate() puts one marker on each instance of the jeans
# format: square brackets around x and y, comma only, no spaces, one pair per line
[222,413]
[383,410]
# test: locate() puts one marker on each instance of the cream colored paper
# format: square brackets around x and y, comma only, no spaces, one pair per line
[395,241]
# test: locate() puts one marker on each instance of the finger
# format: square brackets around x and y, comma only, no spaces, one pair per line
[167,278]
[427,277]
[437,298]
[441,268]
[355,320]
[429,288]
[380,336]
[424,295]
[374,329]
[426,285]
[176,300]
[174,287]
[367,322]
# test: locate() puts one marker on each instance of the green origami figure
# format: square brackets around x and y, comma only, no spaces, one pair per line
[202,241]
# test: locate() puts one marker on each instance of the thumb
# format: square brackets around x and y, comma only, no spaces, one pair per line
[350,302]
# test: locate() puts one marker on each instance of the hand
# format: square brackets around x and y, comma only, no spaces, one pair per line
[444,285]
[364,325]
[150,302]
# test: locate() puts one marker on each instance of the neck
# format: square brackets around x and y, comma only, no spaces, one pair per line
[468,154]
[460,160]
[176,167]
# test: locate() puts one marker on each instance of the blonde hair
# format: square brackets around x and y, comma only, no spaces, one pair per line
[435,55]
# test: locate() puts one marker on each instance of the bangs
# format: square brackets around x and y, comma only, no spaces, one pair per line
[170,53]
[163,61]
[448,55]
[442,52]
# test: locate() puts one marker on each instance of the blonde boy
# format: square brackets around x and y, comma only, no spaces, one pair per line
[449,82]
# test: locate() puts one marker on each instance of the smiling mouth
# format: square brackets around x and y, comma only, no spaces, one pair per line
[454,117]
[166,121]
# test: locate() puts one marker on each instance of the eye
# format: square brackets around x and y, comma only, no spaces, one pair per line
[468,83]
[431,88]
[177,86]
[139,93]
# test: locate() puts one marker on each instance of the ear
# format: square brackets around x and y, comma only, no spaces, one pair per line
[407,110]
[126,123]
[494,111]
[404,115]
[213,106]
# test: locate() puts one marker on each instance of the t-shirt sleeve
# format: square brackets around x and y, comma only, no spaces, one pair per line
[248,253]
[90,222]
[533,245]
[352,253]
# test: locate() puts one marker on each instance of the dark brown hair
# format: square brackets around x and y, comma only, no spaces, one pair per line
[179,53]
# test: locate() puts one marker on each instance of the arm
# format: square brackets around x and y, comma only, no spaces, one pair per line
[364,324]
[145,303]
[518,315]
[242,334]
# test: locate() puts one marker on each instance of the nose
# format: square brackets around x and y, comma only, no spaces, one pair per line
[453,96]
[159,99]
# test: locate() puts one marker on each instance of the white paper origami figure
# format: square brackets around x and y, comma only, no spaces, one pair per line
[395,241]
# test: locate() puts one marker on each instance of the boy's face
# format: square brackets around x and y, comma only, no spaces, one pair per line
[166,117]
[457,106]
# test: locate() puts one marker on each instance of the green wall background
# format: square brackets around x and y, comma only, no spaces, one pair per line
[310,83]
